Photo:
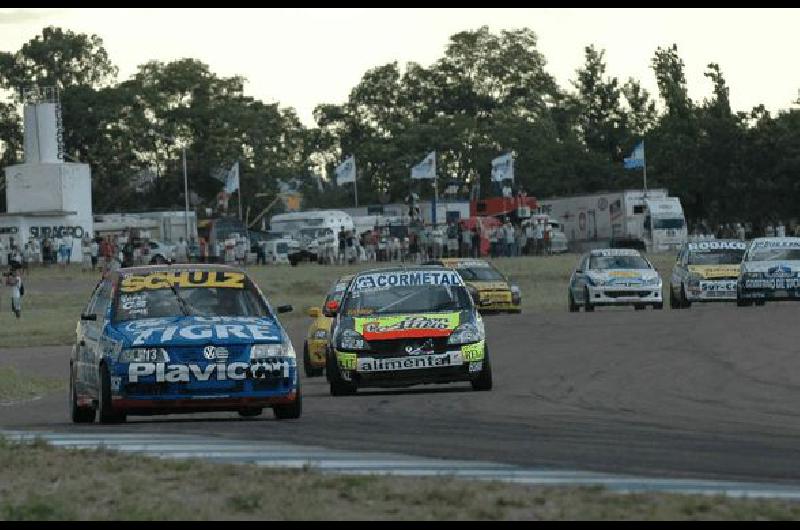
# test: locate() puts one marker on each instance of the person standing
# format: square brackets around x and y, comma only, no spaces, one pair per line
[466,243]
[476,242]
[204,250]
[508,233]
[67,242]
[94,252]
[522,241]
[180,251]
[548,234]
[538,234]
[17,290]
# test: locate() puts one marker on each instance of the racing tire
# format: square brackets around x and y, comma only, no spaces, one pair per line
[740,302]
[78,414]
[309,370]
[673,303]
[639,307]
[338,386]
[104,408]
[573,307]
[658,306]
[250,413]
[291,411]
[685,302]
[158,259]
[483,382]
[587,306]
[760,303]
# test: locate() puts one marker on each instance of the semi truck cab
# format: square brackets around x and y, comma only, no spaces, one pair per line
[664,225]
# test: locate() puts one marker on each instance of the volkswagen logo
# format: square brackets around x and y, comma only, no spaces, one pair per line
[210,352]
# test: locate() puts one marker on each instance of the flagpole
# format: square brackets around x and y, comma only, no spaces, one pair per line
[239,189]
[435,191]
[644,168]
[355,180]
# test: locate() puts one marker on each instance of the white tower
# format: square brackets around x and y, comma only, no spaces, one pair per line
[45,196]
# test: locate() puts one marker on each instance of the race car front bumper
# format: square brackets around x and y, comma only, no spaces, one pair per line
[316,352]
[619,295]
[491,301]
[370,369]
[711,291]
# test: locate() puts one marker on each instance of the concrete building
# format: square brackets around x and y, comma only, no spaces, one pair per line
[45,196]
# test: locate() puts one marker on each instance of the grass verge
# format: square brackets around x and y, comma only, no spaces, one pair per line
[15,386]
[40,482]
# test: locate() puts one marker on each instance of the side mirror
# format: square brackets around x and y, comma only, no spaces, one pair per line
[331,309]
[285,309]
[92,316]
[313,311]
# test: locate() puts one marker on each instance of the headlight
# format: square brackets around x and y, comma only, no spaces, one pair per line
[351,340]
[515,290]
[143,355]
[516,294]
[320,334]
[595,281]
[263,351]
[465,334]
[653,281]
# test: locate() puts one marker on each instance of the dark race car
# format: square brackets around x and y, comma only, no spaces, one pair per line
[400,327]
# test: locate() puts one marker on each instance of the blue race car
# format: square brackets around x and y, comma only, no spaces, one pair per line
[172,339]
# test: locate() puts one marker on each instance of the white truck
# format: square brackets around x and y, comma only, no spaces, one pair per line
[652,221]
[316,233]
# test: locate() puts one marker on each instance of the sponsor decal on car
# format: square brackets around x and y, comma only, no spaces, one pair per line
[385,280]
[189,330]
[708,246]
[132,283]
[624,274]
[407,326]
[185,373]
[473,352]
[613,252]
[369,364]
[347,361]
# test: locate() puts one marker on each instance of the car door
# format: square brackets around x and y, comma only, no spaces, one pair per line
[81,358]
[93,335]
[578,283]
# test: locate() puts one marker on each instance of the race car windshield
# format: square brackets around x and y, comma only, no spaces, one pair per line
[618,262]
[717,257]
[202,301]
[480,274]
[775,254]
[406,299]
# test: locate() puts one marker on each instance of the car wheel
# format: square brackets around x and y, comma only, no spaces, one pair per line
[685,302]
[293,410]
[658,306]
[673,303]
[338,386]
[483,382]
[105,408]
[158,259]
[587,306]
[741,302]
[639,307]
[573,307]
[760,302]
[78,414]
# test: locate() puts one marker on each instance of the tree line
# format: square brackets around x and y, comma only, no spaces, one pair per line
[489,93]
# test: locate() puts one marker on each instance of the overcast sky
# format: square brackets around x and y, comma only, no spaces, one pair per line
[302,57]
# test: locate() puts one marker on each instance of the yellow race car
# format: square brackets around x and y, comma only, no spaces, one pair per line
[490,290]
[316,341]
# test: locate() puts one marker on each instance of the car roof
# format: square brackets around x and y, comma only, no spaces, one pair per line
[614,252]
[777,239]
[193,267]
[403,269]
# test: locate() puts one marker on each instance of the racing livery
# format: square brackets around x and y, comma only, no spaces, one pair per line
[770,271]
[190,338]
[490,290]
[400,327]
[607,277]
[706,271]
[316,343]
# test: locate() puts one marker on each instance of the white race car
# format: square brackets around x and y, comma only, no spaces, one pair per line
[614,277]
[770,271]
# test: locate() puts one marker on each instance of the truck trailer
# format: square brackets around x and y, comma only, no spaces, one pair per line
[651,221]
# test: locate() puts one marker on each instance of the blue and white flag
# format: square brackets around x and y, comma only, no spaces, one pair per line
[636,160]
[503,168]
[346,171]
[232,180]
[425,169]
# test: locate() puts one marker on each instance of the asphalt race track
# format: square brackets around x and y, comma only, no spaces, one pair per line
[707,393]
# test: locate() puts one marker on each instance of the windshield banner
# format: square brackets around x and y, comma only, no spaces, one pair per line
[383,280]
[707,246]
[778,243]
[407,326]
[163,280]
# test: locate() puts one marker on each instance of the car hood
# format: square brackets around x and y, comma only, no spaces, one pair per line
[407,326]
[781,269]
[191,330]
[623,275]
[714,271]
[488,285]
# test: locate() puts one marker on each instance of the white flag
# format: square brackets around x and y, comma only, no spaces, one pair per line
[346,171]
[425,169]
[232,181]
[503,168]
